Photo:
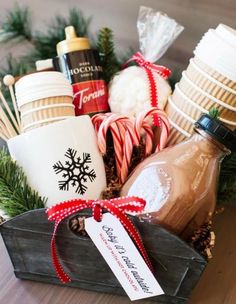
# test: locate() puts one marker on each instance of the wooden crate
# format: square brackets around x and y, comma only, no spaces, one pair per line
[27,237]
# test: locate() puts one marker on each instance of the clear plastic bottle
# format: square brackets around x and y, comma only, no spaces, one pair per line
[179,183]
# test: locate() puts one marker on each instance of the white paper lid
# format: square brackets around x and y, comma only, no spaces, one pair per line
[228,34]
[219,53]
[43,64]
[42,85]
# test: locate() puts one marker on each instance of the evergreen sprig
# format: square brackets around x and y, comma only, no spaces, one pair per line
[174,78]
[15,66]
[16,196]
[17,24]
[227,181]
[214,113]
[105,46]
[45,43]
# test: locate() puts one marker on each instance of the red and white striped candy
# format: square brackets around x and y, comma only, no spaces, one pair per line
[141,123]
[122,131]
[126,134]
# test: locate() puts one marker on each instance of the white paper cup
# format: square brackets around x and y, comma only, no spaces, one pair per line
[210,85]
[61,160]
[227,33]
[178,118]
[46,113]
[218,50]
[193,109]
[41,85]
[214,74]
[44,122]
[185,104]
[176,137]
[206,100]
[44,95]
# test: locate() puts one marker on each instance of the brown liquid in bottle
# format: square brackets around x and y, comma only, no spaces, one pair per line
[179,184]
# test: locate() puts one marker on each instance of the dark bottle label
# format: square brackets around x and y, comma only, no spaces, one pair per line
[84,71]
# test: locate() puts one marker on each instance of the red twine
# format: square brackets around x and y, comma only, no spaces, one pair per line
[151,68]
[116,207]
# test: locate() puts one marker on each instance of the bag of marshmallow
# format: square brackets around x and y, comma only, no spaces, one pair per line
[140,87]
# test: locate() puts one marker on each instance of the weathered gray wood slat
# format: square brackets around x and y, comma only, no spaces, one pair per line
[27,237]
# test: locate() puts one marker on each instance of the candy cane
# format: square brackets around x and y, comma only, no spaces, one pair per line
[122,131]
[97,120]
[101,125]
[140,124]
[126,129]
[165,128]
[165,131]
[118,141]
[128,144]
[149,138]
[113,123]
[126,133]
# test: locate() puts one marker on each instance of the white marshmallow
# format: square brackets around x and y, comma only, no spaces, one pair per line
[129,91]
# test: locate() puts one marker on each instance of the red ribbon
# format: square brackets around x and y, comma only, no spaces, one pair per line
[151,68]
[116,207]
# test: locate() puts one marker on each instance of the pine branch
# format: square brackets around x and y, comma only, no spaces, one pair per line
[105,46]
[80,23]
[16,67]
[227,190]
[16,196]
[174,78]
[45,43]
[229,166]
[214,113]
[227,181]
[127,55]
[17,24]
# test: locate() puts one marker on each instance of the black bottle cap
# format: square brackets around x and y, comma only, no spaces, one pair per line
[216,129]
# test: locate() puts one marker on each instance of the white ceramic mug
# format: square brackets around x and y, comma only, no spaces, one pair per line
[61,160]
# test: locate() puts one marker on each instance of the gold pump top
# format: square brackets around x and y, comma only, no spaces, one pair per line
[72,43]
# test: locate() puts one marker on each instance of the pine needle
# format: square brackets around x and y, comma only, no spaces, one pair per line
[16,196]
[45,43]
[16,67]
[227,181]
[214,113]
[105,46]
[17,24]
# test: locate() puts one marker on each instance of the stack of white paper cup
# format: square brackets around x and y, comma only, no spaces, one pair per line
[208,82]
[44,98]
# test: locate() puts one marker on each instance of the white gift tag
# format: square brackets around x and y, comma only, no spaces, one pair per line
[123,257]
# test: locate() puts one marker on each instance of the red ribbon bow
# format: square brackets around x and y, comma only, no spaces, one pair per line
[151,68]
[117,207]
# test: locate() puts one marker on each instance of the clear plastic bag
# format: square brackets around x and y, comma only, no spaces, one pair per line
[129,91]
[156,32]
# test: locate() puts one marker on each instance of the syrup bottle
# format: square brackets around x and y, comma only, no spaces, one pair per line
[81,65]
